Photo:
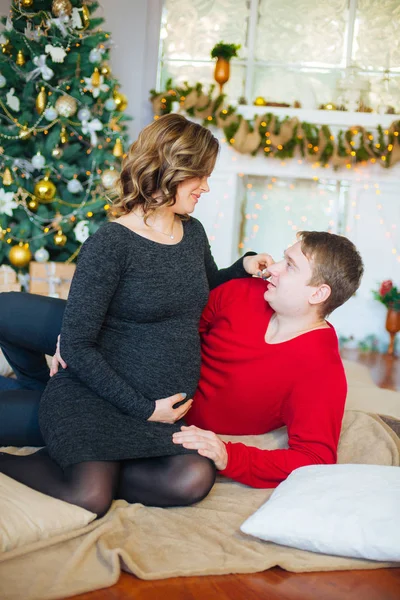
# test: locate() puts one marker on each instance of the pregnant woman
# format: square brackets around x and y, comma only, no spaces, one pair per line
[129,336]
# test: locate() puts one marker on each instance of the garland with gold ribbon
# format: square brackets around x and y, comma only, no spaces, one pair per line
[281,138]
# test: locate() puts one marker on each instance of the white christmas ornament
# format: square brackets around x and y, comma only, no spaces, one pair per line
[57,54]
[50,114]
[74,186]
[42,69]
[81,231]
[109,104]
[41,255]
[95,56]
[2,81]
[32,34]
[7,202]
[38,161]
[24,165]
[60,23]
[76,20]
[12,101]
[91,127]
[9,24]
[96,89]
[84,114]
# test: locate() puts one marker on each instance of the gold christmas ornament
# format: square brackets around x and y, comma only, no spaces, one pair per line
[118,149]
[56,220]
[260,101]
[66,106]
[20,255]
[121,101]
[60,7]
[63,135]
[45,190]
[41,100]
[2,233]
[7,47]
[7,177]
[26,3]
[105,70]
[33,205]
[110,178]
[96,78]
[20,60]
[60,238]
[57,152]
[328,106]
[85,18]
[113,124]
[24,133]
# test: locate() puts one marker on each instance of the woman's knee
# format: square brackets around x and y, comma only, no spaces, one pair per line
[195,480]
[94,499]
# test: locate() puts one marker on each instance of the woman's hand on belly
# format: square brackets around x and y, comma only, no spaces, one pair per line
[165,411]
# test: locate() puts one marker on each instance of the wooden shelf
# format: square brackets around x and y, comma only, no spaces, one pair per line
[322,117]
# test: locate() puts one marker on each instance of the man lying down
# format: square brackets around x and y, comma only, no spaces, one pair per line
[269,359]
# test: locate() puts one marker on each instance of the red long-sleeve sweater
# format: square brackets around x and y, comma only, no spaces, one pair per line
[248,386]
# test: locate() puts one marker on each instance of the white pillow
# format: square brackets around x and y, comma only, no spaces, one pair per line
[27,516]
[344,510]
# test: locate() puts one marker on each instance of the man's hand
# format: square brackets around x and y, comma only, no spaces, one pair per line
[206,443]
[258,264]
[165,411]
[57,360]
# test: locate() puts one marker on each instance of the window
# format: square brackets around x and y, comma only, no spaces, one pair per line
[290,50]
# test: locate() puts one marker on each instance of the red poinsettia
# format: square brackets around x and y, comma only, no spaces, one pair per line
[389,295]
[386,286]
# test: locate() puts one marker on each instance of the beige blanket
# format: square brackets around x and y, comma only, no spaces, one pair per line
[204,539]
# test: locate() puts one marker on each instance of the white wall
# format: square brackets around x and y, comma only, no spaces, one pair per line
[135,29]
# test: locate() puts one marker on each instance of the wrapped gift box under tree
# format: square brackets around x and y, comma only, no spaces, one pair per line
[50,279]
[8,280]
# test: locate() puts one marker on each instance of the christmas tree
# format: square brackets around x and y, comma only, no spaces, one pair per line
[62,129]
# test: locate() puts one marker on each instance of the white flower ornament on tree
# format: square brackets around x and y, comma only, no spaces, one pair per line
[7,202]
[96,89]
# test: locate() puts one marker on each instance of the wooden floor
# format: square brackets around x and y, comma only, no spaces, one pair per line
[275,584]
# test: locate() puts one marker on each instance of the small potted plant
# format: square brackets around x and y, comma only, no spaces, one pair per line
[389,295]
[223,53]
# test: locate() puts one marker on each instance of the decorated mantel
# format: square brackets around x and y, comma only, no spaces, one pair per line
[358,152]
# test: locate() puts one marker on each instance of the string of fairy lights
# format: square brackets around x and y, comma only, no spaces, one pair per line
[388,227]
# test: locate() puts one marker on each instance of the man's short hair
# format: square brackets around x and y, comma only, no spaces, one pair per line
[336,262]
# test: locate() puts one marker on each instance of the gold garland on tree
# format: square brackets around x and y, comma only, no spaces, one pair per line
[282,138]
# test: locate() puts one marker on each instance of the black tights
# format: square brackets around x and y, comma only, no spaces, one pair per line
[29,326]
[166,481]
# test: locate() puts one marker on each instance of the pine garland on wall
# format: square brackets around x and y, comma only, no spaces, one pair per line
[281,138]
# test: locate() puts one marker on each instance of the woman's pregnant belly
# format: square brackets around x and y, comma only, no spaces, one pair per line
[158,359]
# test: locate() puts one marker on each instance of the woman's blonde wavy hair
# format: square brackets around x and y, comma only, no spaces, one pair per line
[168,151]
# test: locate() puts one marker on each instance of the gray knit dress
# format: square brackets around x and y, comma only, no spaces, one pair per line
[129,337]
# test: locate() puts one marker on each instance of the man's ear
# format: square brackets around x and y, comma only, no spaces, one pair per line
[320,294]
